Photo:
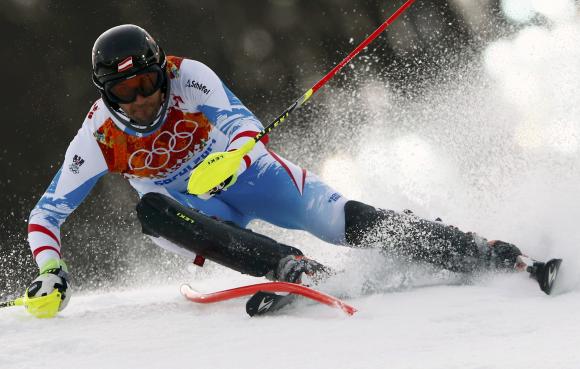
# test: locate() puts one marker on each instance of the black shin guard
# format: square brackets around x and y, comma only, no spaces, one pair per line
[222,242]
[409,236]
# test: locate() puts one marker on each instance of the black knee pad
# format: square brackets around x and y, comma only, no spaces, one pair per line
[404,234]
[222,242]
[359,220]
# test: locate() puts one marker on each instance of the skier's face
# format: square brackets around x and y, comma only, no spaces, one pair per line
[144,109]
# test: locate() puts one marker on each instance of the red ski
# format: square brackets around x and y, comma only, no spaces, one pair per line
[273,287]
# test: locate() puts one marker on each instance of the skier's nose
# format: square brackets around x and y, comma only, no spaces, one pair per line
[139,99]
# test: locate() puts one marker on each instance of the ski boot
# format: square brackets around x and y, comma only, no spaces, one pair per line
[293,268]
[504,256]
[508,257]
[545,273]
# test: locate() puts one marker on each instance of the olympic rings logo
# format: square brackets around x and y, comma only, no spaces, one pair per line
[142,159]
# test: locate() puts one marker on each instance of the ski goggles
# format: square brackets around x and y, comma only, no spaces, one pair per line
[145,83]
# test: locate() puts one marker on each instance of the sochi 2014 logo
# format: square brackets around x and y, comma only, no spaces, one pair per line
[162,148]
[76,164]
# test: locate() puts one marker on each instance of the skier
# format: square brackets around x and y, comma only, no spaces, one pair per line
[158,117]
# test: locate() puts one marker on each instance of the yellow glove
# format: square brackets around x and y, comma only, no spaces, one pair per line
[50,292]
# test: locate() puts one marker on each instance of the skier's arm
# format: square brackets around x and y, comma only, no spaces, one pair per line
[225,111]
[82,167]
[235,120]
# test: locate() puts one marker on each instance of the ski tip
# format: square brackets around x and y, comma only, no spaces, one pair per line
[549,275]
[350,310]
[185,288]
[253,302]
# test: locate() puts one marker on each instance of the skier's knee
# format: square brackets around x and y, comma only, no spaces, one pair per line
[360,219]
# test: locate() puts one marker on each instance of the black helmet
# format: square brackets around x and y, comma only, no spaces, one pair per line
[120,53]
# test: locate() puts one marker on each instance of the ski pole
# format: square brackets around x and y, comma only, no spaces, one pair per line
[17,302]
[46,306]
[219,166]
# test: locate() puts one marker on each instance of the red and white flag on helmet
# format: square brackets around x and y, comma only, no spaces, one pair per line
[125,64]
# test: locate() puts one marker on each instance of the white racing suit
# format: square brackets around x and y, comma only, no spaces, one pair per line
[203,116]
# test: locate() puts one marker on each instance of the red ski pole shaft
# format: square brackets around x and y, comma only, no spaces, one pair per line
[221,165]
[334,70]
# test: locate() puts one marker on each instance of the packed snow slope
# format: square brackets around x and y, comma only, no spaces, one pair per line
[502,323]
[493,149]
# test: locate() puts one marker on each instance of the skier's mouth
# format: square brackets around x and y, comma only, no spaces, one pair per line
[143,115]
[144,110]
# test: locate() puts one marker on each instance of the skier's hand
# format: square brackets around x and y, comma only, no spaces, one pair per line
[219,188]
[50,292]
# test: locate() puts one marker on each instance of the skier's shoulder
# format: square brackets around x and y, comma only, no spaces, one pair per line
[84,144]
[179,66]
[192,75]
[97,116]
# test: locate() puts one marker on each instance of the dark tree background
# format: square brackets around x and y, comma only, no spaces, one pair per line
[268,52]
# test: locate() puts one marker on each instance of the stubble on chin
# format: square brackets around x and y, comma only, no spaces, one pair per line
[144,113]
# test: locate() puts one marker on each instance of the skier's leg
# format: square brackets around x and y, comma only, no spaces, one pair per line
[285,195]
[280,192]
[277,191]
[407,235]
[190,233]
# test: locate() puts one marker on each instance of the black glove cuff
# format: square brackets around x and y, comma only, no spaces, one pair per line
[59,272]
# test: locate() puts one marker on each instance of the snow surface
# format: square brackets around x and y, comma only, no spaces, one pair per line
[502,323]
[495,150]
